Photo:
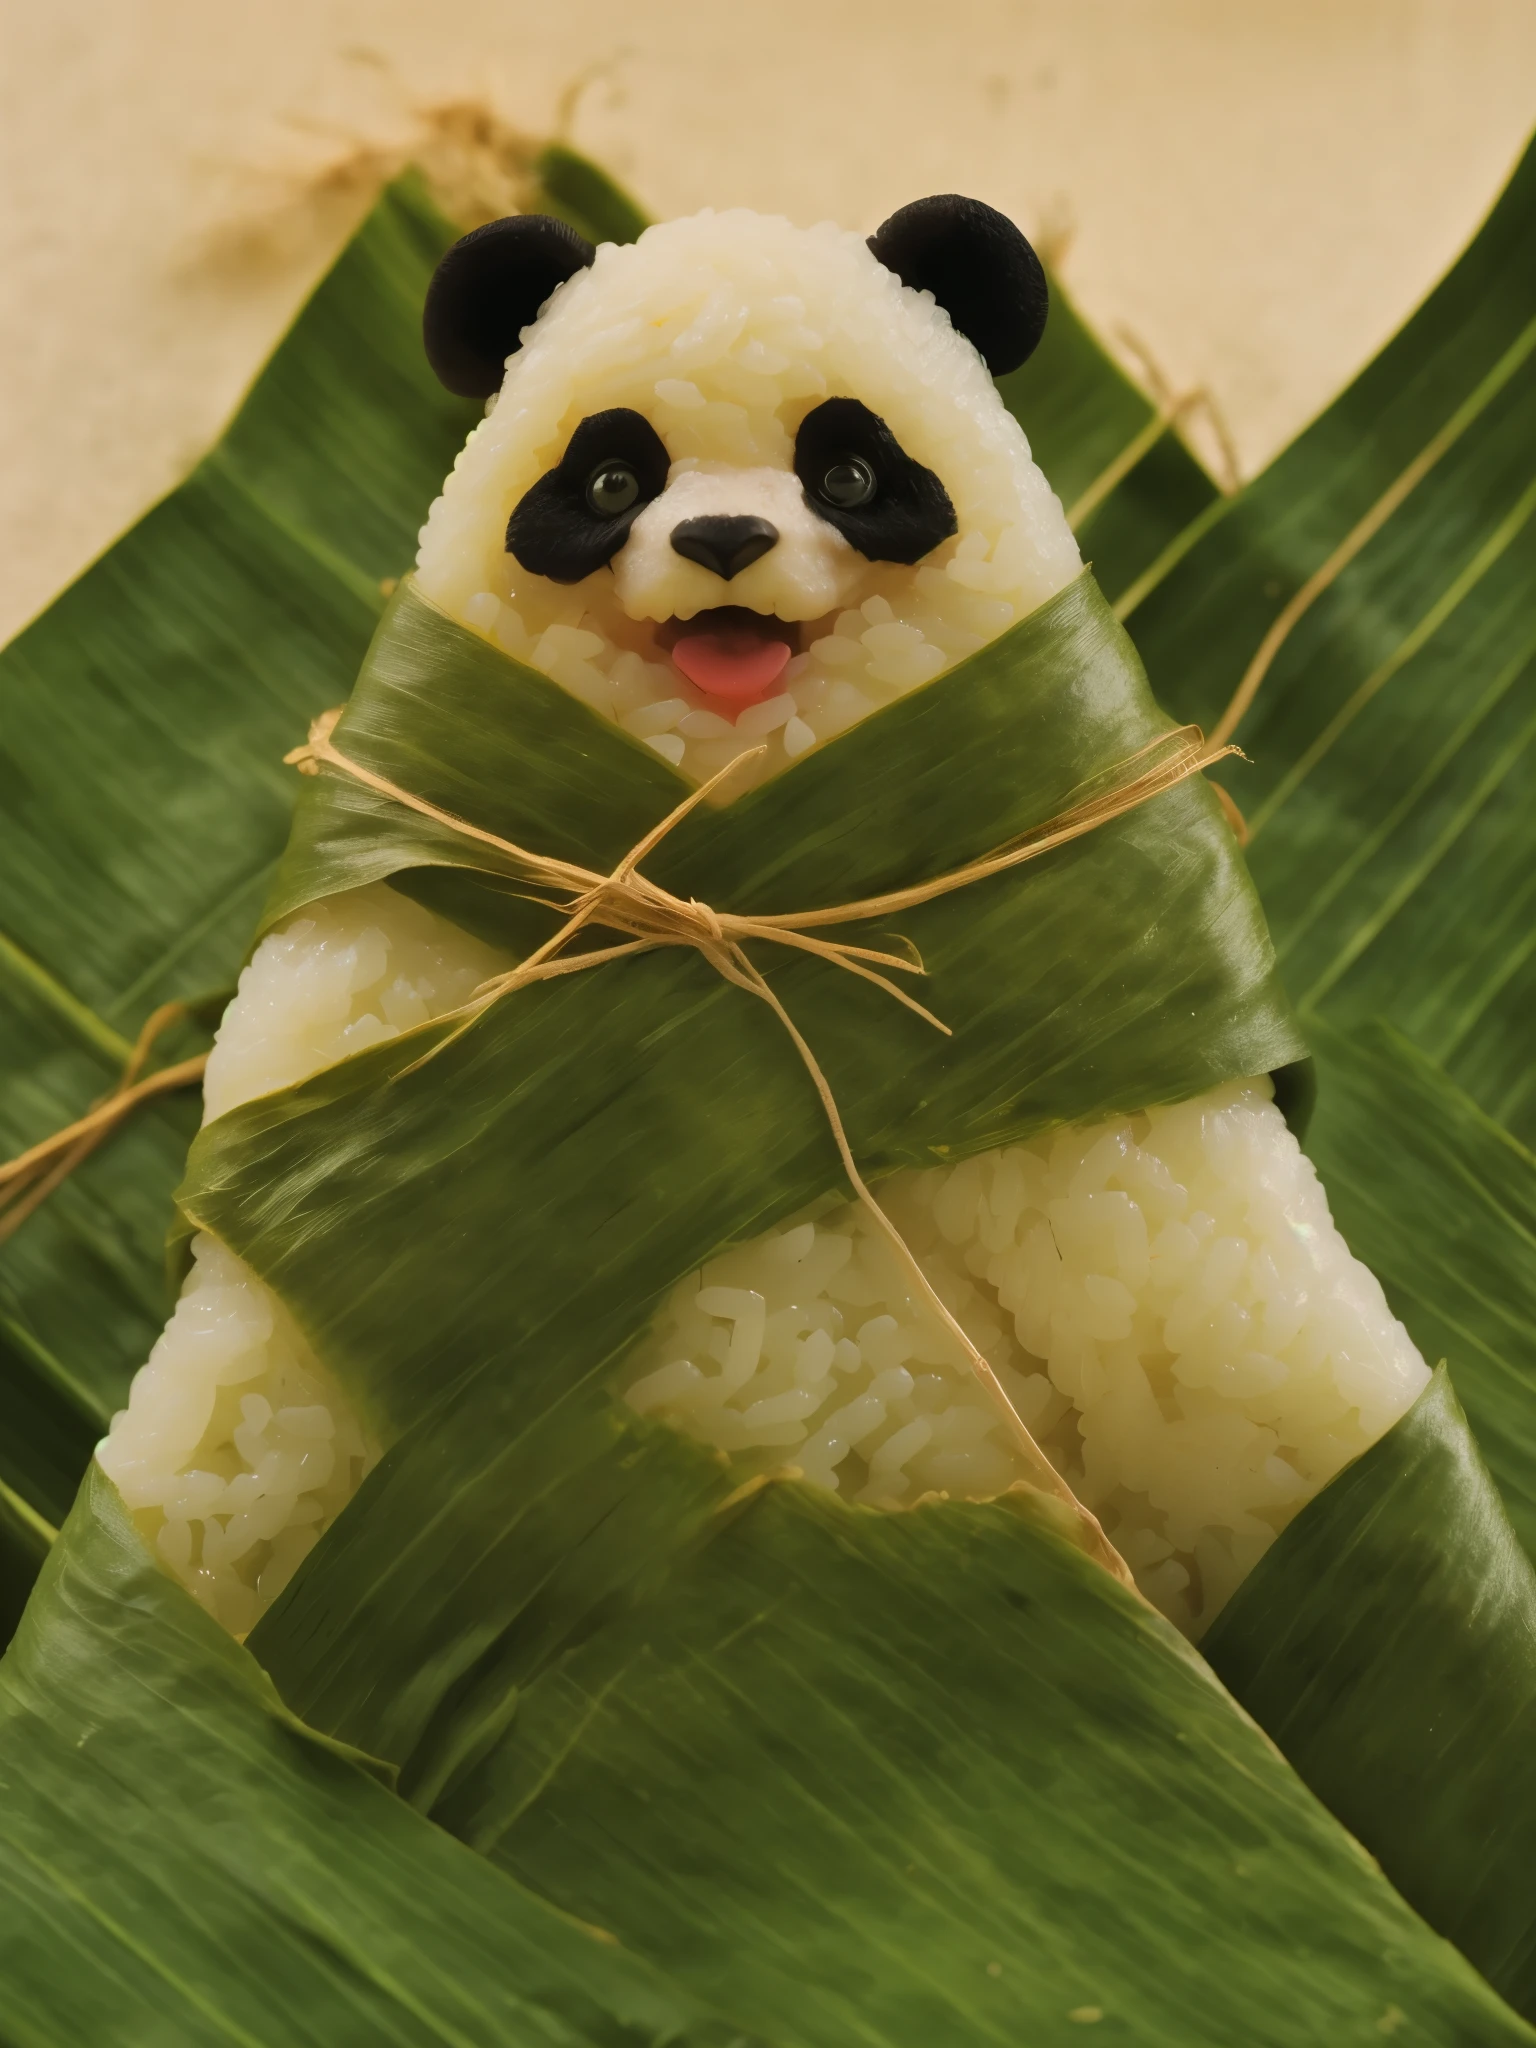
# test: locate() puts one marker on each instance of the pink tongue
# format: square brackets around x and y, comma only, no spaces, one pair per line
[739,667]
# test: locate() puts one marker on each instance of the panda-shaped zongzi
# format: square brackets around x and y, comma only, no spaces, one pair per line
[738,486]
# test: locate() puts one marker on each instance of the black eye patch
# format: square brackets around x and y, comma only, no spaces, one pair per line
[578,515]
[857,476]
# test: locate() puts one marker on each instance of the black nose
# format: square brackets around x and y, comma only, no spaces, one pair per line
[727,544]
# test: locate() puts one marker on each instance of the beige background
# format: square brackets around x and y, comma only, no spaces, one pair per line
[1257,192]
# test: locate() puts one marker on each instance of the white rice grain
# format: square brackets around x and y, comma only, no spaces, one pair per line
[1164,1297]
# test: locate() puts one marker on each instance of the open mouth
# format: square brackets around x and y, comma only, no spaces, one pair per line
[730,653]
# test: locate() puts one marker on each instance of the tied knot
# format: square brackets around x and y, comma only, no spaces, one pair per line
[647,916]
[630,902]
[307,758]
[707,918]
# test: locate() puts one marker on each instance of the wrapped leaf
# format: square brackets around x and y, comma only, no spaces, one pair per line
[594,1108]
[597,1118]
[184,1861]
[1385,1642]
[1058,1821]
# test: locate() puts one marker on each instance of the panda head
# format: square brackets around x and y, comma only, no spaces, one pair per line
[740,483]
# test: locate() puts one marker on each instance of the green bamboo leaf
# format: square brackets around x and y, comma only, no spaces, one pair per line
[1386,1644]
[558,1521]
[1440,1201]
[1392,794]
[1066,1001]
[1059,1821]
[184,1862]
[1374,1642]
[1392,789]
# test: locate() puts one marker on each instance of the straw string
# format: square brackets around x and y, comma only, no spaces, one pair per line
[629,902]
[27,1181]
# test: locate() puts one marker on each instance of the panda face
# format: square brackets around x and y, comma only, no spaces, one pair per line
[741,485]
[692,542]
[675,536]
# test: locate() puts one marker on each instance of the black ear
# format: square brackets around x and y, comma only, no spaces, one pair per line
[487,289]
[979,268]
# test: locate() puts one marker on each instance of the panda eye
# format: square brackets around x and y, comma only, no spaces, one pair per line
[848,483]
[612,488]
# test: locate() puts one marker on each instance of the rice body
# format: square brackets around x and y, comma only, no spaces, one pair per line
[1164,1297]
[237,1449]
[345,974]
[725,330]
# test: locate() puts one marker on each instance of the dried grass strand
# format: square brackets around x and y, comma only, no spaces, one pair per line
[28,1180]
[1120,466]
